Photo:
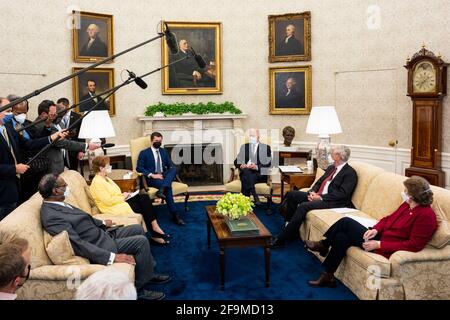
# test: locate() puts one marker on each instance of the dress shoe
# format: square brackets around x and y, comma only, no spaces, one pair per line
[160,194]
[325,280]
[177,220]
[317,246]
[276,243]
[160,279]
[150,295]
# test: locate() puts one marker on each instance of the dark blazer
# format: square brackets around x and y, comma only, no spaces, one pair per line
[292,47]
[97,49]
[293,99]
[146,161]
[8,184]
[180,75]
[87,234]
[341,187]
[86,106]
[73,155]
[263,158]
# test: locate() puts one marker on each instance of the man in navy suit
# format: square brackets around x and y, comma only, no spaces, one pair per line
[333,190]
[155,164]
[11,144]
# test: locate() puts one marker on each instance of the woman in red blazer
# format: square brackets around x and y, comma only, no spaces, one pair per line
[409,228]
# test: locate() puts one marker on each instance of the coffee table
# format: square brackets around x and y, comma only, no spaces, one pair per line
[227,240]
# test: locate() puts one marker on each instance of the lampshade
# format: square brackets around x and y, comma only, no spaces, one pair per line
[323,121]
[97,124]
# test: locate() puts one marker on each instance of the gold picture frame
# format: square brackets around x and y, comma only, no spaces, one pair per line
[290,90]
[186,76]
[92,43]
[290,37]
[103,79]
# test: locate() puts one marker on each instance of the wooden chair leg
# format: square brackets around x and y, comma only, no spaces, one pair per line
[186,198]
[269,203]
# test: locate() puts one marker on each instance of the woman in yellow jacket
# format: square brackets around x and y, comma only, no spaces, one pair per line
[110,199]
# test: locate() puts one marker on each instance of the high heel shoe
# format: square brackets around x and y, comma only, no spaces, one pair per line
[164,236]
[155,242]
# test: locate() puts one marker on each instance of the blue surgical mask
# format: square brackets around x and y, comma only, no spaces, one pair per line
[8,117]
[252,140]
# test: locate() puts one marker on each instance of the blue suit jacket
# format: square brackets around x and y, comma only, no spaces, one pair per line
[8,186]
[146,161]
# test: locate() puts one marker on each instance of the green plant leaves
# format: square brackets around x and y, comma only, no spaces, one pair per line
[196,108]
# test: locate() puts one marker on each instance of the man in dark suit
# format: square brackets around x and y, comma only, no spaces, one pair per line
[155,164]
[187,73]
[69,118]
[291,97]
[253,161]
[333,190]
[60,150]
[95,47]
[11,167]
[88,99]
[290,45]
[91,238]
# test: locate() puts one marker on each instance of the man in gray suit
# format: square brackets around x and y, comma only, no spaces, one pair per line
[59,152]
[95,239]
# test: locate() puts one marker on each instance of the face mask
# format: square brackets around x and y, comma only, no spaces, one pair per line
[57,120]
[252,140]
[109,169]
[67,192]
[20,118]
[8,116]
[157,145]
[405,197]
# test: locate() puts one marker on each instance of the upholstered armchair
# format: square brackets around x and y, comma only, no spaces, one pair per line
[234,182]
[178,187]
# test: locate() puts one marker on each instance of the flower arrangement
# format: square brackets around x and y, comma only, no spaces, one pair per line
[234,205]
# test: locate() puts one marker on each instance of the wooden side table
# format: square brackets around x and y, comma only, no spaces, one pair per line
[297,180]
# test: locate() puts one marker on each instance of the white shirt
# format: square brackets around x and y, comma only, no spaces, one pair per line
[339,168]
[255,146]
[287,39]
[288,92]
[8,296]
[156,157]
[60,203]
[66,118]
[91,41]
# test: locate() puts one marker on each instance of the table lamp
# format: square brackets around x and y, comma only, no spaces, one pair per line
[323,121]
[97,124]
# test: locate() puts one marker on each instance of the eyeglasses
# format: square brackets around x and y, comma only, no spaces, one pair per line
[63,186]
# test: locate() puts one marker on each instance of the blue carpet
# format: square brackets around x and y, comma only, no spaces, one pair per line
[196,270]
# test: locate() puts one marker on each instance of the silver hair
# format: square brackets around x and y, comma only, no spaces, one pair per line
[342,150]
[107,284]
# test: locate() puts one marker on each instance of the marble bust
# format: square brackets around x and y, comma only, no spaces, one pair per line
[288,135]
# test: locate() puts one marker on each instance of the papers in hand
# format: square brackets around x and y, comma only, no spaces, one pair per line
[131,195]
[366,222]
[290,169]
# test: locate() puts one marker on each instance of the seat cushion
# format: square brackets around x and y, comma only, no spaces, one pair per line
[60,251]
[177,188]
[235,186]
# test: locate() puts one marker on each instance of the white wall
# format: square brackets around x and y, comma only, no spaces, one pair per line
[355,66]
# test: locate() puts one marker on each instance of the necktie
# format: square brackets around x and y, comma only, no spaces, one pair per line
[324,182]
[158,162]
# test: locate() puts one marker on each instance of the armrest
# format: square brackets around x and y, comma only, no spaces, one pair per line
[426,255]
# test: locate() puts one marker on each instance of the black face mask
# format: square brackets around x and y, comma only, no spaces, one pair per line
[157,144]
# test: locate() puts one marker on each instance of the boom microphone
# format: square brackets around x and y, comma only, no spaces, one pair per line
[198,58]
[171,41]
[141,83]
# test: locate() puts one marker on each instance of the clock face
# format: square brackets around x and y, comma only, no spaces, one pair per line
[424,77]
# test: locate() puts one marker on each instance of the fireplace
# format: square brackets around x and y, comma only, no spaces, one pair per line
[198,164]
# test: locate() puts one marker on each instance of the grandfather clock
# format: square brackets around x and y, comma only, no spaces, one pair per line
[427,85]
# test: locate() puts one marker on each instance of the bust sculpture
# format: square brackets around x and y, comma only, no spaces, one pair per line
[288,135]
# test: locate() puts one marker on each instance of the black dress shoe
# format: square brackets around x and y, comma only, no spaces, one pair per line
[160,194]
[176,218]
[160,279]
[317,246]
[150,295]
[325,280]
[277,243]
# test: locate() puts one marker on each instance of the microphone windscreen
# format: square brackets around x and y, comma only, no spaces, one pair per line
[107,145]
[171,41]
[141,83]
[201,63]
